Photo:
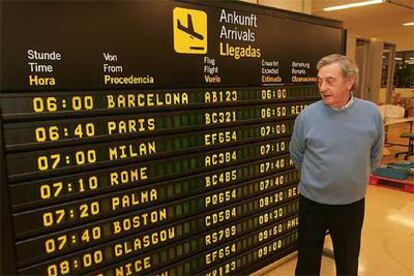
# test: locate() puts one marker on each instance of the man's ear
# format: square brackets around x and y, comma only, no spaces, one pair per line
[350,83]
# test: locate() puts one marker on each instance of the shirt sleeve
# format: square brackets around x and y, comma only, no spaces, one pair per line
[297,144]
[378,146]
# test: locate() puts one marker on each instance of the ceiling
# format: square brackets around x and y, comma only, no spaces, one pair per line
[370,20]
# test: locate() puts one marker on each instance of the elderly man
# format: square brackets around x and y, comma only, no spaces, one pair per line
[336,143]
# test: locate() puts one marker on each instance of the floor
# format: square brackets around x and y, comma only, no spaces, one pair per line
[388,234]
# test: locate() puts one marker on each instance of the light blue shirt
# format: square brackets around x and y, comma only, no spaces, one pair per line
[335,150]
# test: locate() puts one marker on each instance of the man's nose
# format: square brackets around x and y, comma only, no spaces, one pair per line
[322,85]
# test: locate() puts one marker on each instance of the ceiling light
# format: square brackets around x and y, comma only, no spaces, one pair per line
[353,5]
[408,24]
[398,58]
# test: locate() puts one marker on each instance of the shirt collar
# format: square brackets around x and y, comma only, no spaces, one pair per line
[345,107]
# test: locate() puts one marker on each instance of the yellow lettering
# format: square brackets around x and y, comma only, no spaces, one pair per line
[143,241]
[134,199]
[130,126]
[35,80]
[129,150]
[137,265]
[128,176]
[220,253]
[144,100]
[110,101]
[137,221]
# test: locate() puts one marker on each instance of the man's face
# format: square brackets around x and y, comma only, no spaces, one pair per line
[334,88]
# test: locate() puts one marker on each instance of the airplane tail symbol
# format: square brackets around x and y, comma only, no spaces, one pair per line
[190,29]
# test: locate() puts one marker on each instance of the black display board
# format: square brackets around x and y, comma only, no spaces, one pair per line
[152,137]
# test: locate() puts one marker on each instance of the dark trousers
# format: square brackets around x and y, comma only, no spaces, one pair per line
[344,223]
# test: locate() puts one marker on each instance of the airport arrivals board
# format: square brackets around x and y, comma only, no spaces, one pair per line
[152,137]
